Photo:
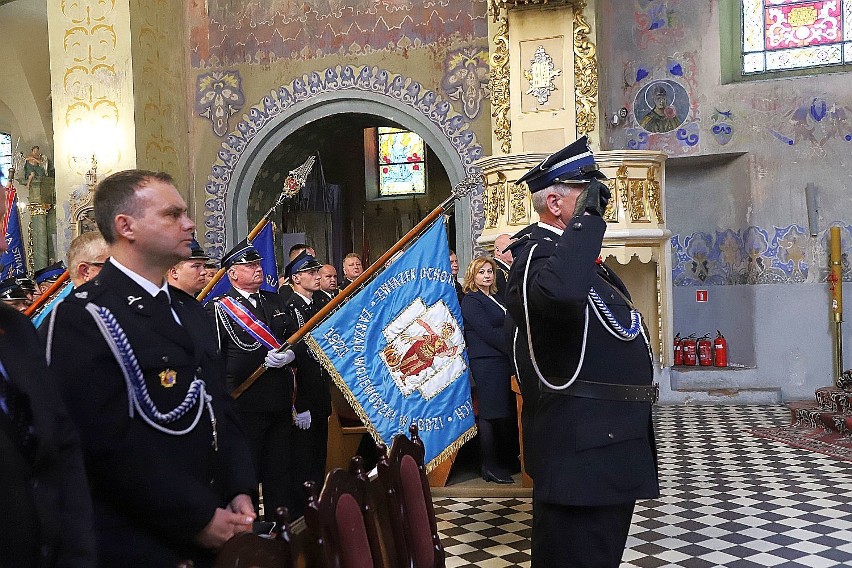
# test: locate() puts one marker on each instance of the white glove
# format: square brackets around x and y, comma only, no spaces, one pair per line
[303,420]
[277,359]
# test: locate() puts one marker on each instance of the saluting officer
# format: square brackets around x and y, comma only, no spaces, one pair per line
[137,363]
[313,398]
[250,324]
[586,372]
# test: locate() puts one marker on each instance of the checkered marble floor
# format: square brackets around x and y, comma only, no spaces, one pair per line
[729,499]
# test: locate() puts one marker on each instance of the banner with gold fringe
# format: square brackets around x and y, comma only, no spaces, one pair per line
[396,350]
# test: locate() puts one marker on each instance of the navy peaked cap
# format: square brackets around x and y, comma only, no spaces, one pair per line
[243,253]
[51,272]
[573,164]
[303,262]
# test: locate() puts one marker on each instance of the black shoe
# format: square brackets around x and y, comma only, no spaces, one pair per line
[489,475]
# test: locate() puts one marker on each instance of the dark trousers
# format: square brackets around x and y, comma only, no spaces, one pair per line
[270,438]
[310,448]
[579,537]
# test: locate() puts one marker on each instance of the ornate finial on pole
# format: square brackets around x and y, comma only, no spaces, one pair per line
[295,181]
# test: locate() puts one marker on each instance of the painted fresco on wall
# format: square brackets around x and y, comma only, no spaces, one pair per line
[656,22]
[661,106]
[661,94]
[723,126]
[808,121]
[218,97]
[782,255]
[227,32]
[466,78]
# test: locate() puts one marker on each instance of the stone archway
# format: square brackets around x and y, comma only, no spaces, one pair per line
[367,90]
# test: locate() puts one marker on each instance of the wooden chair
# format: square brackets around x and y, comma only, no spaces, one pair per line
[342,519]
[402,475]
[268,551]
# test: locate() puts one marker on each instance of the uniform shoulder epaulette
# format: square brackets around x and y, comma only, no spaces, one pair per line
[86,293]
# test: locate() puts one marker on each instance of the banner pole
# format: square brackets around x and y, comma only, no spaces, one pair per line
[293,184]
[464,188]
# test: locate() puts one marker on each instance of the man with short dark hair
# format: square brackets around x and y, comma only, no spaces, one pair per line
[328,285]
[454,268]
[585,367]
[503,260]
[136,361]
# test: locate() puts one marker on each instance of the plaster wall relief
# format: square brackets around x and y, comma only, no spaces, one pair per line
[227,32]
[274,108]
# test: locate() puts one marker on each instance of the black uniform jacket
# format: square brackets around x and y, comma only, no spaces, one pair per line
[586,451]
[483,326]
[312,390]
[47,511]
[273,391]
[153,492]
[501,278]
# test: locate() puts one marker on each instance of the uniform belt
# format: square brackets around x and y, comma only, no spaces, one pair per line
[607,391]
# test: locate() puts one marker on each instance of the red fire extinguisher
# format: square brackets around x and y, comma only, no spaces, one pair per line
[678,350]
[689,346]
[720,350]
[705,351]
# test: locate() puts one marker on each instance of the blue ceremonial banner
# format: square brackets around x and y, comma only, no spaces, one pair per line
[264,242]
[13,261]
[397,351]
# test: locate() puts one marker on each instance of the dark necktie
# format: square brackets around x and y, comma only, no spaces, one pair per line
[255,298]
[16,406]
[164,300]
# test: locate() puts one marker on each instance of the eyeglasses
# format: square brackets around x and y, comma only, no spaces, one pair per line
[98,264]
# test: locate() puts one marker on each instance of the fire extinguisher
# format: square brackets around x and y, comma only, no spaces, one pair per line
[720,350]
[705,351]
[678,350]
[689,346]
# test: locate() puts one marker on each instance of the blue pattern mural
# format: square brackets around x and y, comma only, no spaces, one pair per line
[754,255]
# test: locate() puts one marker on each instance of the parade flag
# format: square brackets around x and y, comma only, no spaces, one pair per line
[396,350]
[66,290]
[13,261]
[264,242]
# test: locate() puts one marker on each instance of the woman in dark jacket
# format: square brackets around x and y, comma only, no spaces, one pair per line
[489,361]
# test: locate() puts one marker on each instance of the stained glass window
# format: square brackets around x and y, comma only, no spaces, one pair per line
[5,156]
[780,35]
[402,163]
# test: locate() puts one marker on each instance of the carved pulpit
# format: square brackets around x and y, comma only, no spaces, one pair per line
[544,90]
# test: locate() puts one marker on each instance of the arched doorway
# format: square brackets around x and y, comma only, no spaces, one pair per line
[317,95]
[338,211]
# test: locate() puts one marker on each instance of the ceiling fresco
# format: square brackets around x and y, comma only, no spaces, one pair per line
[239,31]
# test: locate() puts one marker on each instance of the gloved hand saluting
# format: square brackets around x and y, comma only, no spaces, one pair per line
[303,420]
[593,200]
[277,359]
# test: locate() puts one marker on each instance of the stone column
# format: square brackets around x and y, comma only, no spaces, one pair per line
[118,81]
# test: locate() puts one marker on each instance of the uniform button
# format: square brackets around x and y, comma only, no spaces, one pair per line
[34,483]
[611,436]
[165,359]
[577,226]
[198,371]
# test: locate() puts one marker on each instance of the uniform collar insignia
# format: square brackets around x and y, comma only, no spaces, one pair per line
[82,295]
[133,299]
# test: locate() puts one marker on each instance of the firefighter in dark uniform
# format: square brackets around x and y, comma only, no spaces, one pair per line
[313,398]
[137,364]
[245,318]
[585,366]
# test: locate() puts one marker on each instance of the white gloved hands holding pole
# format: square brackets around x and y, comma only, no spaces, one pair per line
[277,359]
[303,420]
